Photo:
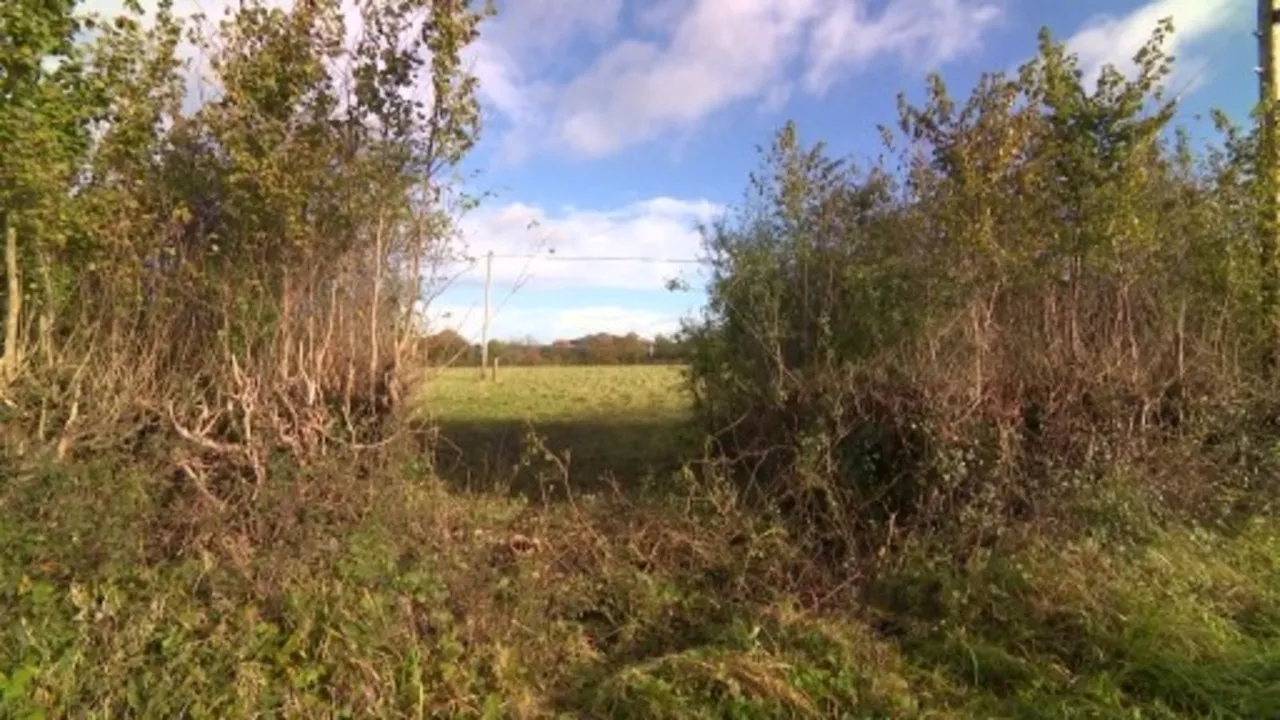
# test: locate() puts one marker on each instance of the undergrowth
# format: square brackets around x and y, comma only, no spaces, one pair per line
[1182,626]
[990,426]
[389,596]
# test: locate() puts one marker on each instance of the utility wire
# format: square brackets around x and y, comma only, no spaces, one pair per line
[603,258]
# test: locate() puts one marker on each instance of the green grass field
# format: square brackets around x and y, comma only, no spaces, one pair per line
[601,394]
[624,423]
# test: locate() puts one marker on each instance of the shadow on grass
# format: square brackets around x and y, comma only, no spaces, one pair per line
[599,454]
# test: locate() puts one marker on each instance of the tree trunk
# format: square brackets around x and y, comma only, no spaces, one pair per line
[13,315]
[373,304]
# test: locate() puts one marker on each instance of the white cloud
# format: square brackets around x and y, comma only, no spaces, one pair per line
[545,25]
[709,54]
[1110,39]
[515,50]
[918,32]
[549,298]
[501,83]
[661,15]
[617,320]
[545,324]
[658,229]
[719,53]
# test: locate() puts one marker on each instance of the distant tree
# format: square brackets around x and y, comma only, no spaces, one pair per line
[601,349]
[497,348]
[668,349]
[561,352]
[519,352]
[447,347]
[631,349]
[530,354]
[596,349]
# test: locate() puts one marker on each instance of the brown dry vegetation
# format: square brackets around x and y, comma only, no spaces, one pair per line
[989,433]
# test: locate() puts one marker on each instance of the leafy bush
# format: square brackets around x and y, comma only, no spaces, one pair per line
[242,277]
[1047,285]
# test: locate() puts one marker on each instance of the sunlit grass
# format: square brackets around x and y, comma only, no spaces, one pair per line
[399,598]
[610,422]
[558,394]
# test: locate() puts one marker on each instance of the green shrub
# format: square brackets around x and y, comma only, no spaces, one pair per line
[1042,290]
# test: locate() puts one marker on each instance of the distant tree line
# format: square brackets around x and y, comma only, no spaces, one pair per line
[449,348]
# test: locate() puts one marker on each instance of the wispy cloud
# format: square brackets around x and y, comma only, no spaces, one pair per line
[539,30]
[546,323]
[1114,39]
[543,249]
[697,57]
[719,53]
[916,32]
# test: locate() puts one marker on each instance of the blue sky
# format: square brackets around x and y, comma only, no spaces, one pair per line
[612,127]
